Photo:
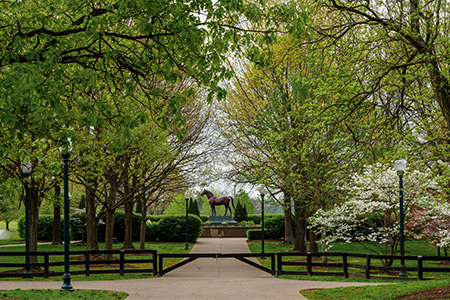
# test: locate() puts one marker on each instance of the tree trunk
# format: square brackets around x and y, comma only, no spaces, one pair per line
[128,235]
[110,218]
[109,232]
[143,223]
[91,222]
[33,222]
[313,246]
[441,88]
[56,239]
[300,227]
[7,225]
[288,228]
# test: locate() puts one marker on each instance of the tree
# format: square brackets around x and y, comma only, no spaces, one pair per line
[9,206]
[275,123]
[397,52]
[371,214]
[240,213]
[193,207]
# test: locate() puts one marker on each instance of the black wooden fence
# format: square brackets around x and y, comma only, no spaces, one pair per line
[337,265]
[86,259]
[343,265]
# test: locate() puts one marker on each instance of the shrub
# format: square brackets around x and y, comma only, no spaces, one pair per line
[205,218]
[45,227]
[274,224]
[77,226]
[254,234]
[240,213]
[173,228]
[254,218]
[151,232]
[155,218]
[193,207]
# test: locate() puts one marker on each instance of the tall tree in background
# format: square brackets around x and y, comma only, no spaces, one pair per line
[397,51]
[284,134]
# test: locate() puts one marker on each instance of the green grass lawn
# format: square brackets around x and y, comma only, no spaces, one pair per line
[11,236]
[378,292]
[55,294]
[393,289]
[160,247]
[413,248]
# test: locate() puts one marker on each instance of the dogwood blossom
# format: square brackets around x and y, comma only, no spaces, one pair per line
[371,213]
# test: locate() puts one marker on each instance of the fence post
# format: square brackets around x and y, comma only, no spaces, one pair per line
[160,265]
[345,264]
[87,263]
[309,263]
[46,264]
[272,265]
[279,263]
[420,267]
[122,262]
[155,262]
[369,256]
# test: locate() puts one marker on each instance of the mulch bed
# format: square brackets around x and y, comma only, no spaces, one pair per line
[431,294]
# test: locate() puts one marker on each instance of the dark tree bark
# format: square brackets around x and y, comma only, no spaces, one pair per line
[289,237]
[300,227]
[91,219]
[128,236]
[57,239]
[143,222]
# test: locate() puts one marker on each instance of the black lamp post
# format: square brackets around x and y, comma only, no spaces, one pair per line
[186,246]
[400,166]
[262,226]
[26,171]
[65,151]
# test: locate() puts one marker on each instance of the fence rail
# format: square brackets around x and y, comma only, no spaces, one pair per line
[345,265]
[284,261]
[191,257]
[87,260]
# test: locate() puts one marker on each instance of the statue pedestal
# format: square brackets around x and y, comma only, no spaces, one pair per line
[222,220]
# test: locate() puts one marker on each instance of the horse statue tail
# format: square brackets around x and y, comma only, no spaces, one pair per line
[232,203]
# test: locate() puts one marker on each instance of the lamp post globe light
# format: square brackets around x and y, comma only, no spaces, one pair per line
[26,171]
[65,153]
[400,167]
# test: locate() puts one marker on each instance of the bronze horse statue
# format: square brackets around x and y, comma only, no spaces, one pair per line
[213,201]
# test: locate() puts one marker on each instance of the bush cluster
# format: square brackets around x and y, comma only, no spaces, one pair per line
[161,228]
[274,224]
[273,227]
[45,228]
[254,218]
[240,213]
[173,228]
[255,234]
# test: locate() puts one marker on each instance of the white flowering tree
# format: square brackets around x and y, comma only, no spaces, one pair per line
[372,212]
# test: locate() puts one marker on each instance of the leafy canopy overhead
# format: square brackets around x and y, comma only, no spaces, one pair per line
[53,53]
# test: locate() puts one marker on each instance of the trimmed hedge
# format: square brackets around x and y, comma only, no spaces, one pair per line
[78,222]
[167,228]
[274,224]
[255,234]
[155,218]
[255,218]
[45,228]
[173,228]
[205,218]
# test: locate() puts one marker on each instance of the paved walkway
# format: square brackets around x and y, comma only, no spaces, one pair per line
[202,279]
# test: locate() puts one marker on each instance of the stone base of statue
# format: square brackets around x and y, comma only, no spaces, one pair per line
[222,221]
